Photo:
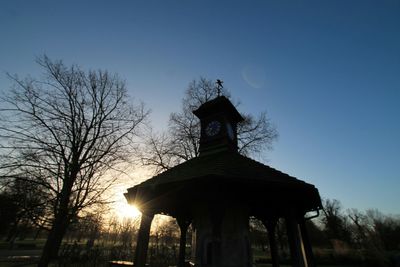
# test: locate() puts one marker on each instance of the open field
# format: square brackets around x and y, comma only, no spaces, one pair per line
[26,253]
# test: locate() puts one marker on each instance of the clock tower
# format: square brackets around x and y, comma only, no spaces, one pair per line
[218,120]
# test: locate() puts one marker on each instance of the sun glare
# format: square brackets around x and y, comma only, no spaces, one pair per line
[128,211]
[120,208]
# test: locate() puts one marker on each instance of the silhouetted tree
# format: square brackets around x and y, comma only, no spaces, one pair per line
[258,234]
[64,133]
[376,235]
[334,222]
[358,227]
[165,241]
[25,205]
[315,234]
[386,228]
[181,141]
[282,238]
[8,213]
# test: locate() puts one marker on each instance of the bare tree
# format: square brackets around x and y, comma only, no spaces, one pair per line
[181,141]
[358,227]
[376,235]
[64,133]
[334,221]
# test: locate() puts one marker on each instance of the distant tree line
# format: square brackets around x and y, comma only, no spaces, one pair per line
[348,237]
[338,236]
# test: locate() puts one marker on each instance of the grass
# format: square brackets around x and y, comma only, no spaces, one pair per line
[33,248]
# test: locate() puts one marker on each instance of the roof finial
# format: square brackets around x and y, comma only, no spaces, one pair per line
[219,86]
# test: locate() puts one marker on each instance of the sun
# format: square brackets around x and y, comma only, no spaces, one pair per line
[124,210]
[132,211]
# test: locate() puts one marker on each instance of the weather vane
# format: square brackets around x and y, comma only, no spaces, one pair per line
[219,86]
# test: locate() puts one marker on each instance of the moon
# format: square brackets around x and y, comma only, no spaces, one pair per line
[254,76]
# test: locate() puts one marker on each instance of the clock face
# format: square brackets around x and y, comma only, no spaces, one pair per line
[213,128]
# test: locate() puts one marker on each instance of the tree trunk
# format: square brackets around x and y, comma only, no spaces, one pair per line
[37,234]
[60,224]
[53,242]
[13,232]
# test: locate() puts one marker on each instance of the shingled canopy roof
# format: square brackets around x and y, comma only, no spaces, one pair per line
[224,174]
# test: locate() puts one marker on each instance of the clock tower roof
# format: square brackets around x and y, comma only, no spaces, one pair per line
[220,104]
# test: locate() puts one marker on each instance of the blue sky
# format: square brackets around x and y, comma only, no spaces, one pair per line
[327,73]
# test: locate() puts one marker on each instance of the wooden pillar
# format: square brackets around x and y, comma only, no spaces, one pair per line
[183,226]
[143,240]
[307,243]
[270,225]
[295,243]
[215,257]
